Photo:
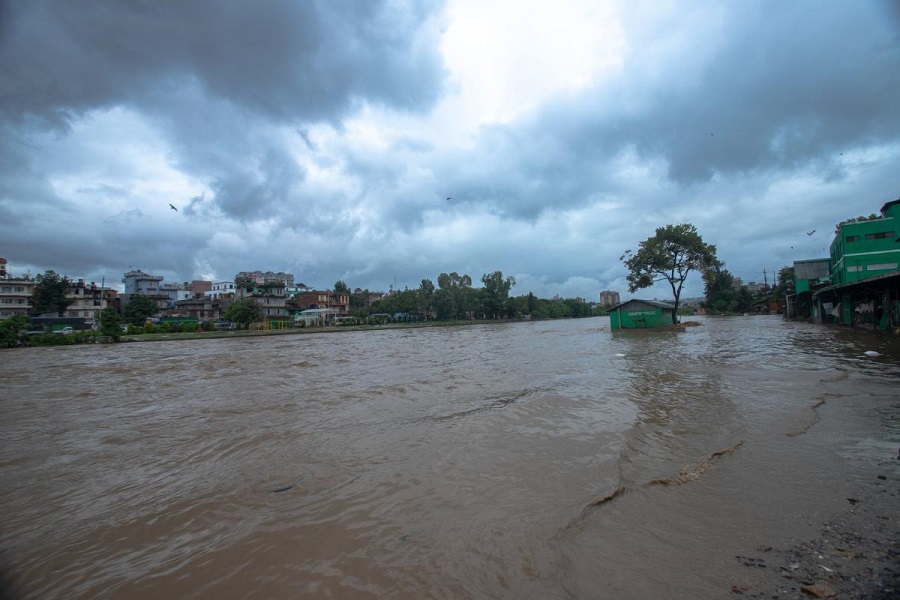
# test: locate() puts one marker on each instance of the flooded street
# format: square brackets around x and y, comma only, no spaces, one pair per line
[525,460]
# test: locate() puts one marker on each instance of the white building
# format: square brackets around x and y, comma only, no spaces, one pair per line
[15,297]
[221,289]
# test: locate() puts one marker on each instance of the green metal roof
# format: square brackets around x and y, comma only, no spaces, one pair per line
[656,303]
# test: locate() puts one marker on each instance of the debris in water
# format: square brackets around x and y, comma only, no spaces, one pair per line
[620,355]
[693,472]
[819,590]
[283,488]
[872,353]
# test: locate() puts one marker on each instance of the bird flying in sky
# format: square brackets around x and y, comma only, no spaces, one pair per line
[810,232]
[172,206]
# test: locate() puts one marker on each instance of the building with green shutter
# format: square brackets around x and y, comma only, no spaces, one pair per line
[864,249]
[865,273]
[640,314]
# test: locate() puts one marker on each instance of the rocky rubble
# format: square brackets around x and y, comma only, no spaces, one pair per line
[857,554]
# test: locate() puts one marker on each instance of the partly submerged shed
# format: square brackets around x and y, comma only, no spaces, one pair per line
[640,314]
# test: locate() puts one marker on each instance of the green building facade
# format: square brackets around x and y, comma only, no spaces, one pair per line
[865,274]
[640,314]
[864,249]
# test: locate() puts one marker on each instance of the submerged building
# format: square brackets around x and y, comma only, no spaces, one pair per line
[640,314]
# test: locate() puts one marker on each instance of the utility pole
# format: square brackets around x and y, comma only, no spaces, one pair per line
[765,279]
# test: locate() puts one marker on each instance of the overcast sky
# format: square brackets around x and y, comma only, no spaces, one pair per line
[382,142]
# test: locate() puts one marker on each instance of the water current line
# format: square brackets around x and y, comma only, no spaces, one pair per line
[689,473]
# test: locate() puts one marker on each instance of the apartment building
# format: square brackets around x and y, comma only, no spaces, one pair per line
[609,298]
[88,300]
[221,289]
[15,297]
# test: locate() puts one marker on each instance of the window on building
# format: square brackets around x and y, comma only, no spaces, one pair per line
[852,238]
[880,235]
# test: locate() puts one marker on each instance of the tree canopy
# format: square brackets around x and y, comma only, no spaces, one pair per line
[138,309]
[669,256]
[243,312]
[495,294]
[50,291]
[12,331]
[722,295]
[455,298]
[110,323]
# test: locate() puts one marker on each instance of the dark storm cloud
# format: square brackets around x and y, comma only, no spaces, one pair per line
[288,60]
[792,83]
[267,187]
[788,85]
[21,178]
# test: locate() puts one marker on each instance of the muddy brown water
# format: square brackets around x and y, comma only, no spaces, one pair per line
[526,460]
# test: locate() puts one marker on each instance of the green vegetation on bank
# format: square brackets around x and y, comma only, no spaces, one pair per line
[454,301]
[454,298]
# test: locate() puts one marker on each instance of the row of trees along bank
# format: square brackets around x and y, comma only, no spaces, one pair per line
[454,299]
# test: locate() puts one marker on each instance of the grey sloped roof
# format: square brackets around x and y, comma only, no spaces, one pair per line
[656,303]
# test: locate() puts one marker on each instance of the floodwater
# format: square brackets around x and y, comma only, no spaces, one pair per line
[525,460]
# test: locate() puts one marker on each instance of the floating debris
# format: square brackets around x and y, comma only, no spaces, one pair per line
[872,353]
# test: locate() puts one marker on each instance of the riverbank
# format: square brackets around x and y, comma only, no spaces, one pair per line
[855,555]
[237,334]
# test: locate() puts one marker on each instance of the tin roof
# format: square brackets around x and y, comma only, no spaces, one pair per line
[656,303]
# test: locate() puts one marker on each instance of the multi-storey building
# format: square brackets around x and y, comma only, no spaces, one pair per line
[138,283]
[15,296]
[310,299]
[266,277]
[339,302]
[203,309]
[862,249]
[144,284]
[88,300]
[865,273]
[175,292]
[199,287]
[609,298]
[336,302]
[221,289]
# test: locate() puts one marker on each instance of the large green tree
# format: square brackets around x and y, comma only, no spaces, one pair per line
[786,285]
[455,297]
[13,331]
[243,312]
[139,309]
[110,323]
[359,304]
[341,287]
[495,294]
[50,291]
[721,297]
[399,302]
[425,298]
[669,256]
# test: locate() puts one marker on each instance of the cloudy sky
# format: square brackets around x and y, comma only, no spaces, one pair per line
[387,142]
